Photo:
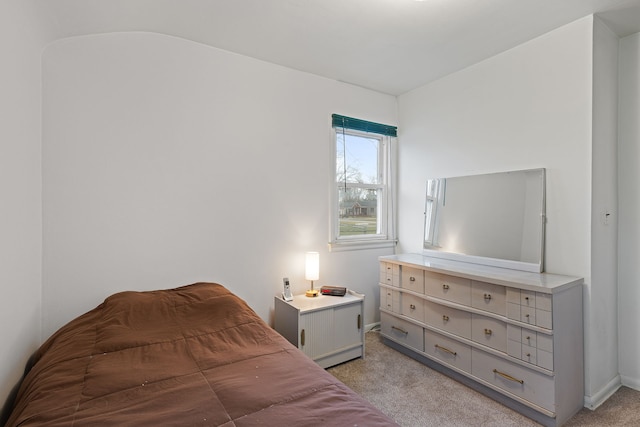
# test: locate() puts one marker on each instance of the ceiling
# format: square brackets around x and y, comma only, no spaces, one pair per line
[391,46]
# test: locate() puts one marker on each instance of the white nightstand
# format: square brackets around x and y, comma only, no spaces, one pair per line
[328,329]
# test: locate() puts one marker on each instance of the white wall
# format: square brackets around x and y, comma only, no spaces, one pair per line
[167,162]
[20,187]
[601,306]
[629,211]
[528,107]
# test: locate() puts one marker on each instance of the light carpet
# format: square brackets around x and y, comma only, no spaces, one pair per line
[415,395]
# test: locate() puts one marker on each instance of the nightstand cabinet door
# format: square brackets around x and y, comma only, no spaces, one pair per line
[315,333]
[348,326]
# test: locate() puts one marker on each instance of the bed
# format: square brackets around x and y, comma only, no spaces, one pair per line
[192,356]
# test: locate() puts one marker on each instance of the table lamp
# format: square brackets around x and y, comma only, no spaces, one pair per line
[312,271]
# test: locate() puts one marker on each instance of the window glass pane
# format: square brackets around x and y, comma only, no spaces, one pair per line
[432,187]
[359,211]
[428,222]
[357,159]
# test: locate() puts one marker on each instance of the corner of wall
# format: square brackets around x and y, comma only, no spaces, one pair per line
[595,400]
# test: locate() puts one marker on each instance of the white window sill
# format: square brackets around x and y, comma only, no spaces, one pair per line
[355,245]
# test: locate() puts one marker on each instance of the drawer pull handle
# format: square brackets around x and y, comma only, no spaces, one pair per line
[359,322]
[445,317]
[488,331]
[302,338]
[412,307]
[528,338]
[445,349]
[528,354]
[508,377]
[402,331]
[526,298]
[487,297]
[412,279]
[445,286]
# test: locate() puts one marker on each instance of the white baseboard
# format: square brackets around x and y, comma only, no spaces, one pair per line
[592,402]
[630,382]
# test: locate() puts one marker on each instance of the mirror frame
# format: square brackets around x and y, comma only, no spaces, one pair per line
[535,267]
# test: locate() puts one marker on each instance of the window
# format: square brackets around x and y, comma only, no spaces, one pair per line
[431,211]
[361,195]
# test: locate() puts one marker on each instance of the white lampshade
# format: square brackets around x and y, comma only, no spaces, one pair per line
[312,266]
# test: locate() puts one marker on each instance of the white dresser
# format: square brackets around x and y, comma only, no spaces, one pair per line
[516,336]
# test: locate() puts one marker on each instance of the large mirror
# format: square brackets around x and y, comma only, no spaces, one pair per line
[492,219]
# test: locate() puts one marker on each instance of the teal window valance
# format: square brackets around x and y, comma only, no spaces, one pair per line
[338,121]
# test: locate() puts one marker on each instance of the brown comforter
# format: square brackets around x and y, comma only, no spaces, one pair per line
[191,356]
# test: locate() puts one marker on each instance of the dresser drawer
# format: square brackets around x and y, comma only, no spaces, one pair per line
[530,307]
[390,299]
[522,335]
[514,333]
[529,354]
[536,317]
[389,274]
[531,346]
[513,311]
[515,379]
[543,319]
[449,288]
[402,331]
[412,306]
[386,299]
[543,301]
[528,298]
[529,337]
[528,315]
[545,359]
[490,332]
[449,351]
[412,279]
[514,349]
[544,344]
[513,296]
[533,316]
[448,319]
[489,297]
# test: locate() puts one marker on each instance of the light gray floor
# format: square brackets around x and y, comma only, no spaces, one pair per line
[415,395]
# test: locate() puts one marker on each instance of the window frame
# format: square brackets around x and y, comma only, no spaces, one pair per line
[434,187]
[384,236]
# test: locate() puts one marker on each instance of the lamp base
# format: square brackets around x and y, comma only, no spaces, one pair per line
[312,293]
